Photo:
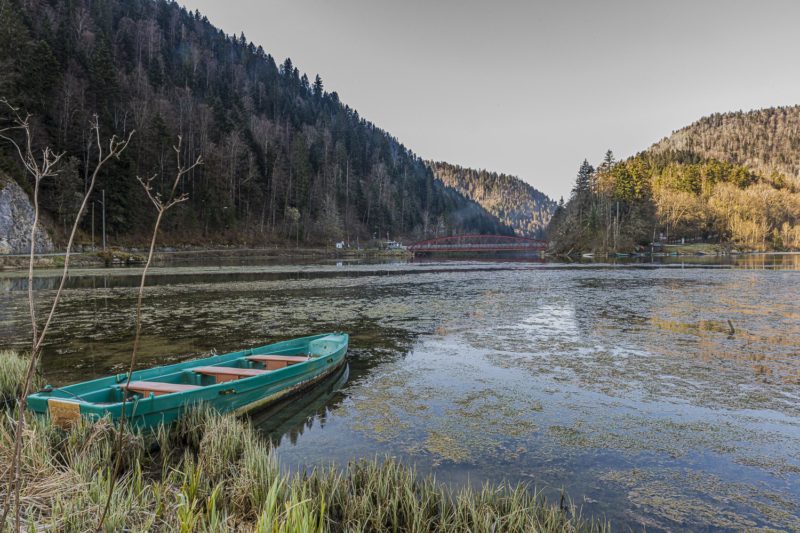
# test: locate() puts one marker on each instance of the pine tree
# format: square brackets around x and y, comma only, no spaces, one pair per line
[583,181]
[154,73]
[13,39]
[582,193]
[608,162]
[103,75]
[287,68]
[318,87]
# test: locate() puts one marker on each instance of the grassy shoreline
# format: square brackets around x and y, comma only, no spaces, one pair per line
[212,472]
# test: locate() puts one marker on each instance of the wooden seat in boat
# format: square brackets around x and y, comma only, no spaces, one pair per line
[274,362]
[158,387]
[228,373]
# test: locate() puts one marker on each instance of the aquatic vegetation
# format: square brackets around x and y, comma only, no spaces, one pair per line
[571,436]
[211,472]
[703,500]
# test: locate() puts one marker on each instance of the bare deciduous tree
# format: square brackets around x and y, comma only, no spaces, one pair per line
[162,205]
[40,168]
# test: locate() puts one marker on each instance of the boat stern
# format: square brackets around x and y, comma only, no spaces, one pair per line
[63,413]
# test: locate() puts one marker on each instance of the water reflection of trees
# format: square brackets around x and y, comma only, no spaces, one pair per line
[20,283]
[769,261]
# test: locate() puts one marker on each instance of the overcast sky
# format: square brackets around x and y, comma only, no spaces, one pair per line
[532,88]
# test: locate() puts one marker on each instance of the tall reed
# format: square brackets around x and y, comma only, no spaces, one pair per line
[13,368]
[211,472]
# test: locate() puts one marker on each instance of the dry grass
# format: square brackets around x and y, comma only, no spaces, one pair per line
[13,367]
[213,473]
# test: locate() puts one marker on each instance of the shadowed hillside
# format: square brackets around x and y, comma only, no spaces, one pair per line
[284,157]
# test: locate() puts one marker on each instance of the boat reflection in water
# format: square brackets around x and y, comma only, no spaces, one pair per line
[287,419]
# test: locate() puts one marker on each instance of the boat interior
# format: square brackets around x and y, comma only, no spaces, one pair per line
[201,376]
[194,377]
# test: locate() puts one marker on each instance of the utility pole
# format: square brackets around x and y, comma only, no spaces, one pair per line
[104,220]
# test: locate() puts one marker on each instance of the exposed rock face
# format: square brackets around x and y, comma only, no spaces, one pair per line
[16,218]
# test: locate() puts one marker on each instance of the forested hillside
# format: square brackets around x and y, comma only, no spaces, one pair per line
[283,157]
[510,199]
[766,141]
[728,178]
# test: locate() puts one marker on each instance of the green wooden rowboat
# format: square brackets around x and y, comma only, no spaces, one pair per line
[237,382]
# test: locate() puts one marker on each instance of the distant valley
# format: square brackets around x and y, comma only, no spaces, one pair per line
[284,159]
[513,201]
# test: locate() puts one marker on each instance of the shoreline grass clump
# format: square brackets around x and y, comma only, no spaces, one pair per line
[13,368]
[211,472]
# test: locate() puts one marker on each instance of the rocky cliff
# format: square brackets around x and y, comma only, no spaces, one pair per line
[16,218]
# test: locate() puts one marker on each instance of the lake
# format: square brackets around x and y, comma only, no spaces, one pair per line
[664,395]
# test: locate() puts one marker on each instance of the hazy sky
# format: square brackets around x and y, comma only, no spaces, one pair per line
[532,88]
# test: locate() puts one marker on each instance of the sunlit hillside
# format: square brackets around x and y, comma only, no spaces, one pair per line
[732,179]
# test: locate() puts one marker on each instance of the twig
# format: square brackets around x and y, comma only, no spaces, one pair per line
[162,206]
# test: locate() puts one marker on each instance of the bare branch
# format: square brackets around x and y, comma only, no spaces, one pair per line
[176,200]
[49,159]
[154,197]
[116,149]
[161,208]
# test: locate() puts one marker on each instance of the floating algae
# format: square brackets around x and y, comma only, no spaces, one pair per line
[690,500]
[455,421]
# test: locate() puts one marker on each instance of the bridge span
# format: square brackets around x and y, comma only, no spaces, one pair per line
[475,243]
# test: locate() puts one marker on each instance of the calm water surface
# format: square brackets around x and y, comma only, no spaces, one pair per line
[623,385]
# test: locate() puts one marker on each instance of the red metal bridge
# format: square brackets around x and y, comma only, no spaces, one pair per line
[474,243]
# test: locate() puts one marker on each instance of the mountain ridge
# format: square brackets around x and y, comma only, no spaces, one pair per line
[512,200]
[766,140]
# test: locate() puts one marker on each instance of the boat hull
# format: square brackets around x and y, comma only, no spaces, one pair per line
[103,397]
